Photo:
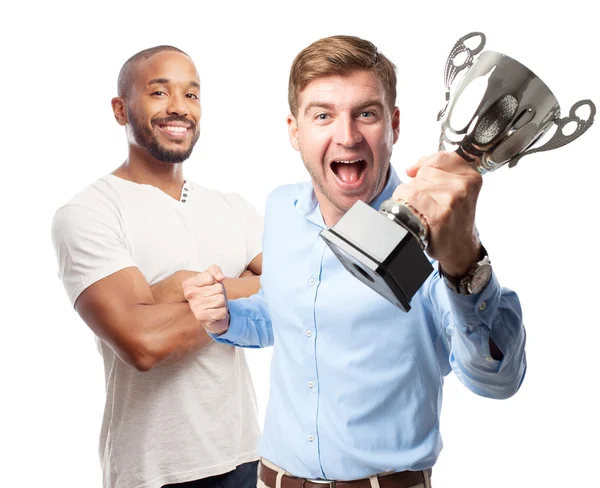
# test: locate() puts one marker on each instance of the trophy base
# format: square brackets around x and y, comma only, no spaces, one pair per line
[380,253]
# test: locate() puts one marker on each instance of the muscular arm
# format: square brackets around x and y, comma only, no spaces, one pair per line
[122,311]
[170,290]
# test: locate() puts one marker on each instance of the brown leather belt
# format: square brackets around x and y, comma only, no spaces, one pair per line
[403,479]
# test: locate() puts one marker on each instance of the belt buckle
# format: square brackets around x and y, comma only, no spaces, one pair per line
[330,483]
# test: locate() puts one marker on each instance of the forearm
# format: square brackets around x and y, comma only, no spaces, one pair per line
[145,334]
[170,290]
[241,287]
[167,333]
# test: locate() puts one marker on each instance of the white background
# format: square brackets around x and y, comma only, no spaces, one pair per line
[539,220]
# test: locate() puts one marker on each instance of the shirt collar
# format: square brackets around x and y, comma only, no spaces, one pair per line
[308,206]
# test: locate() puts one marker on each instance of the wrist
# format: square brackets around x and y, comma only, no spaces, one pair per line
[459,264]
[222,328]
[474,280]
[176,288]
[182,275]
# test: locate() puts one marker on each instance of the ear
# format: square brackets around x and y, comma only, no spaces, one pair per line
[293,131]
[396,123]
[118,107]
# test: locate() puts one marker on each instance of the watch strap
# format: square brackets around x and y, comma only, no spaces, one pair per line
[462,284]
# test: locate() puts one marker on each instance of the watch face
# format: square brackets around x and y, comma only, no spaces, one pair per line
[480,278]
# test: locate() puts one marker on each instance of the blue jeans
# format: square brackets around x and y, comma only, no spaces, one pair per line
[244,476]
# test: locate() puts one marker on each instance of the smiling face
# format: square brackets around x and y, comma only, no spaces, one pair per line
[345,130]
[163,109]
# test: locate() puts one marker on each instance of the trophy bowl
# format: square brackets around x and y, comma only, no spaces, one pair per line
[498,112]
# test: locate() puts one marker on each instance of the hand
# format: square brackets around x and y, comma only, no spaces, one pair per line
[206,296]
[444,190]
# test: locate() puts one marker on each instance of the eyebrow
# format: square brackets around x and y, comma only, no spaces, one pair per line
[370,103]
[313,105]
[330,106]
[165,81]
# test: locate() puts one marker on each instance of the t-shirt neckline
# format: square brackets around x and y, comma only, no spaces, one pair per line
[184,196]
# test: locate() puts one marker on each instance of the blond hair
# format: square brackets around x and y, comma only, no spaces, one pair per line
[340,55]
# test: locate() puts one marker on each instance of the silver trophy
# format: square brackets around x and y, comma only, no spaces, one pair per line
[385,249]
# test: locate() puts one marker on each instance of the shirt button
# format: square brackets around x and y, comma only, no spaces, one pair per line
[489,358]
[482,306]
[308,333]
[310,438]
[312,281]
[310,384]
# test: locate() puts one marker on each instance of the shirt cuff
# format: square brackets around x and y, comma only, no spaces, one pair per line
[237,321]
[476,309]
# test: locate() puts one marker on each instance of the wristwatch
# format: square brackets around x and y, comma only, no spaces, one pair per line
[476,278]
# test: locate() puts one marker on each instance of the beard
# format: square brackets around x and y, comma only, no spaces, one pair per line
[145,138]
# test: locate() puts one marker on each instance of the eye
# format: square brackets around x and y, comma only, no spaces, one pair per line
[158,93]
[322,116]
[193,96]
[367,114]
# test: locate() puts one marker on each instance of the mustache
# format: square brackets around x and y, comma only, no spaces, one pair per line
[173,118]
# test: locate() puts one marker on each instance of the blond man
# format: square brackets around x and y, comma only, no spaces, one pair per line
[356,383]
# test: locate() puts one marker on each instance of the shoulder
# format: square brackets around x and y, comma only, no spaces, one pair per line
[222,200]
[98,202]
[217,199]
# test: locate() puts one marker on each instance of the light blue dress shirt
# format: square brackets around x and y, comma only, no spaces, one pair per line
[356,383]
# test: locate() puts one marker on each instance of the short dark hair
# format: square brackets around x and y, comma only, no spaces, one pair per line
[127,73]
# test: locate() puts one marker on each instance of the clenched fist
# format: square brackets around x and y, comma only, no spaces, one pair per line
[444,191]
[206,296]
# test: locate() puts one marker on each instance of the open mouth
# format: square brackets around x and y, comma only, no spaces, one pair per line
[349,172]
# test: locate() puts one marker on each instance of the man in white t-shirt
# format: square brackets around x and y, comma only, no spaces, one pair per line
[180,409]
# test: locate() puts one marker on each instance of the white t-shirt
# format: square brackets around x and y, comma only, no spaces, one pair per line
[184,421]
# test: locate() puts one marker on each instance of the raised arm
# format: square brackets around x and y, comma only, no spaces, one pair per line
[481,334]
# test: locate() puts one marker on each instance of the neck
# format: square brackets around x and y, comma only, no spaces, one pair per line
[142,168]
[331,218]
[330,213]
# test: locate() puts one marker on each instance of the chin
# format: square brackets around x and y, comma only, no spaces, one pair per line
[346,203]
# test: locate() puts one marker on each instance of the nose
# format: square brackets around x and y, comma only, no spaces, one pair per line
[347,132]
[177,105]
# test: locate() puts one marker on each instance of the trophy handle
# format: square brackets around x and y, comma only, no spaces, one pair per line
[451,69]
[559,139]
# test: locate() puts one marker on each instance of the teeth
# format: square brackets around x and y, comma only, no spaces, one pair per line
[349,162]
[172,128]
